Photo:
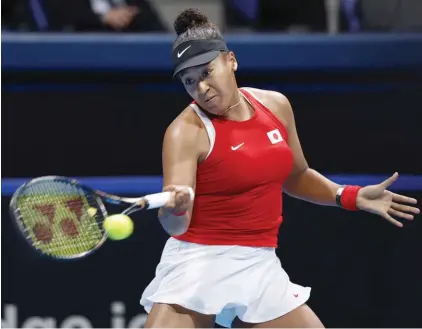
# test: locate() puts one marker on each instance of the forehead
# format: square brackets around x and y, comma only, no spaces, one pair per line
[198,69]
[194,70]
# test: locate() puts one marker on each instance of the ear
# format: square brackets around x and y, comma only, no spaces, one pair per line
[235,65]
[233,61]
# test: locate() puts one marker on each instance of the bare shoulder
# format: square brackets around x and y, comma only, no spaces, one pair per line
[185,128]
[186,135]
[276,102]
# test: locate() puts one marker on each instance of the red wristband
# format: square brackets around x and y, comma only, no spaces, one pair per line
[177,214]
[349,196]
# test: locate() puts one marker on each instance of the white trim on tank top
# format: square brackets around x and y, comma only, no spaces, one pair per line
[209,127]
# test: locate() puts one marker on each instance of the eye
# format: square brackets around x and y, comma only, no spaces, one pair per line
[206,73]
[188,82]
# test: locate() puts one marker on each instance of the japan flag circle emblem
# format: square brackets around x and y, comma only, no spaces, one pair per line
[274,136]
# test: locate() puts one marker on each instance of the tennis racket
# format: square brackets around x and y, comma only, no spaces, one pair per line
[63,219]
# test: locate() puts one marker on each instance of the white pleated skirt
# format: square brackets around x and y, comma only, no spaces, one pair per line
[229,281]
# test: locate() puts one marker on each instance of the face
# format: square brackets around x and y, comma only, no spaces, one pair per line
[212,85]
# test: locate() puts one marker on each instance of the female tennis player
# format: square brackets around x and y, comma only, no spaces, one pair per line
[238,148]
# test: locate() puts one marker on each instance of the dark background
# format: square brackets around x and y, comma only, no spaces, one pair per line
[364,272]
[349,121]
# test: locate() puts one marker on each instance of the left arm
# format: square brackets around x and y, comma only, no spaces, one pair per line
[311,186]
[307,184]
[303,183]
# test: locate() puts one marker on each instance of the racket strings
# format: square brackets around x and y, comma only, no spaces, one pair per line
[57,220]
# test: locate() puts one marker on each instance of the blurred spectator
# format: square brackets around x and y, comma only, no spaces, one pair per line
[391,15]
[381,15]
[277,15]
[310,15]
[80,15]
[127,15]
[242,14]
[350,16]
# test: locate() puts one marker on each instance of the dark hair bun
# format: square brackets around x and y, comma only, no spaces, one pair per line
[189,19]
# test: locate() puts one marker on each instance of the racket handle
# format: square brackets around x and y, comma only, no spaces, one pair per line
[158,200]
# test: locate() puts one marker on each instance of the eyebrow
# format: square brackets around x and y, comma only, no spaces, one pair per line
[204,66]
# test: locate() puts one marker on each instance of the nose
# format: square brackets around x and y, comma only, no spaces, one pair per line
[203,88]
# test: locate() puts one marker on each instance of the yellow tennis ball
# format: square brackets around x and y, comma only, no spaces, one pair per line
[92,212]
[118,227]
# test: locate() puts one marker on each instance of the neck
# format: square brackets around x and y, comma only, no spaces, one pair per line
[238,110]
[237,99]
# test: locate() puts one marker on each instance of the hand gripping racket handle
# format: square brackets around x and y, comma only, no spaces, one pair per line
[158,200]
[153,201]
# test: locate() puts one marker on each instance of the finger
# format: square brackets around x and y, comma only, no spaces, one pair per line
[179,188]
[186,192]
[404,208]
[171,203]
[392,220]
[385,184]
[178,199]
[404,199]
[187,198]
[169,188]
[183,190]
[182,197]
[400,214]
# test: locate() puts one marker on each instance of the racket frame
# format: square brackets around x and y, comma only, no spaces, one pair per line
[143,203]
[17,216]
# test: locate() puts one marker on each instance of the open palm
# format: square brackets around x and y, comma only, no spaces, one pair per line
[378,200]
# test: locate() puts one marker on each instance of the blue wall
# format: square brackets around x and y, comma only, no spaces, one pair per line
[140,185]
[255,52]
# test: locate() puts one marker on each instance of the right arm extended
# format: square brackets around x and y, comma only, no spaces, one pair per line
[180,159]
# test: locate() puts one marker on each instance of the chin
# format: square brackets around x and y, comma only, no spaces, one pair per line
[215,106]
[214,109]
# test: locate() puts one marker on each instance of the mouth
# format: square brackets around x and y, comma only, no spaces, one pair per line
[210,99]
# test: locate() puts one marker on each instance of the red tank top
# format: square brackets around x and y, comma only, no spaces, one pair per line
[238,198]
